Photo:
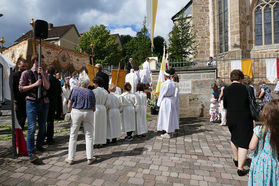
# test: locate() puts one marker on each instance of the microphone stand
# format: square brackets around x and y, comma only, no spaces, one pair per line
[39,65]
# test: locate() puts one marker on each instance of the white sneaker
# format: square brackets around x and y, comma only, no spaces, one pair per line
[90,161]
[166,135]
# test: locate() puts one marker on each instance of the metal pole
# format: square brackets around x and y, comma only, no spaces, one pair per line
[39,65]
[13,115]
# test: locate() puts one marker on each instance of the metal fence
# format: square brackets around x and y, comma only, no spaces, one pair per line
[222,67]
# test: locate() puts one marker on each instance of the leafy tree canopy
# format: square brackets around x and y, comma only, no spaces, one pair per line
[182,40]
[106,51]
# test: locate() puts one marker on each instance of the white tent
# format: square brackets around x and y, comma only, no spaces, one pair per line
[6,64]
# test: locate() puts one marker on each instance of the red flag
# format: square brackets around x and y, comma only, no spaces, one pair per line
[278,68]
[20,141]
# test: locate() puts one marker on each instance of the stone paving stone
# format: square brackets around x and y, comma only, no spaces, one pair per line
[16,175]
[190,158]
[98,182]
[63,183]
[137,181]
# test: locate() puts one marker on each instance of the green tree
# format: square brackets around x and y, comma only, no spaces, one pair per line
[138,47]
[158,46]
[182,40]
[106,51]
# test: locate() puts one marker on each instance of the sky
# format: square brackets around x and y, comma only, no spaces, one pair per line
[124,17]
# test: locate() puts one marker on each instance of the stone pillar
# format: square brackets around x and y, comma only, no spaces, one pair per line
[200,14]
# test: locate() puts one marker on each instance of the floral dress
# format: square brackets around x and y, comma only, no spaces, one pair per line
[264,168]
[267,95]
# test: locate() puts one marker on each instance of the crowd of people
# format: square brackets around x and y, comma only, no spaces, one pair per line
[102,108]
[245,134]
[105,111]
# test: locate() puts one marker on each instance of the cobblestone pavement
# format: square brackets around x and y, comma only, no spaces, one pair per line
[199,154]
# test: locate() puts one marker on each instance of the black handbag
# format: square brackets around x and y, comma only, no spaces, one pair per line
[255,108]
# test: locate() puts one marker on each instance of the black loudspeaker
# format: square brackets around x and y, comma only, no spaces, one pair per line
[41,29]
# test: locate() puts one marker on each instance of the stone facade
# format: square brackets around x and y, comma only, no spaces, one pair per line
[241,42]
[194,91]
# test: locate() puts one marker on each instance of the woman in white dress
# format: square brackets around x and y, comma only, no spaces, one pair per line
[167,118]
[65,95]
[127,102]
[114,119]
[140,110]
[100,115]
[175,79]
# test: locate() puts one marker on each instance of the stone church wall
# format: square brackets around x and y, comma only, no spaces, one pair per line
[194,91]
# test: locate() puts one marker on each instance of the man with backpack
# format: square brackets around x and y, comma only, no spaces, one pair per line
[36,107]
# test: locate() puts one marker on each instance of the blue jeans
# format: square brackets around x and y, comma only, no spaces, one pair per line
[34,110]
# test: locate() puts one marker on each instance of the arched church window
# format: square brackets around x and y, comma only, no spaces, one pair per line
[223,25]
[266,22]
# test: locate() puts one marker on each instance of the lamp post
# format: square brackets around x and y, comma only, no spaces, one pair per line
[2,41]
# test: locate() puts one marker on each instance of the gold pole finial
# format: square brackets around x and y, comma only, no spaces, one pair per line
[32,22]
[2,41]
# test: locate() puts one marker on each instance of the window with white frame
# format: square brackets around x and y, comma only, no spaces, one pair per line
[223,25]
[266,22]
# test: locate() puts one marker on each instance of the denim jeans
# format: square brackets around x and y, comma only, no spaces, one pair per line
[35,110]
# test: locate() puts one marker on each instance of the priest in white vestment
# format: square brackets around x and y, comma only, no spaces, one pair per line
[127,103]
[145,73]
[167,118]
[114,118]
[133,79]
[140,110]
[100,115]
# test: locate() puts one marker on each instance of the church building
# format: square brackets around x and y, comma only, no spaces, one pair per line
[234,29]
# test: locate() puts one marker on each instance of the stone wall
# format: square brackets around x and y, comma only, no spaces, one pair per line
[200,15]
[194,91]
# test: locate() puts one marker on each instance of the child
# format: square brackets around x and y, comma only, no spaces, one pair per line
[127,102]
[175,79]
[264,168]
[215,93]
[140,111]
[212,110]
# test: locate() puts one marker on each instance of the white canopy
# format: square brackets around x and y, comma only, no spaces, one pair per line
[6,64]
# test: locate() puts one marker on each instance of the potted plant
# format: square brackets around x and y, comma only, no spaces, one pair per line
[152,103]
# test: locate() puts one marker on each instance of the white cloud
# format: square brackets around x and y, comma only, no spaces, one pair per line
[84,13]
[124,31]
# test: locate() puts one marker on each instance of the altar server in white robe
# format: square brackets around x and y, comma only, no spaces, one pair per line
[114,119]
[127,103]
[145,73]
[167,118]
[100,115]
[175,79]
[133,79]
[140,110]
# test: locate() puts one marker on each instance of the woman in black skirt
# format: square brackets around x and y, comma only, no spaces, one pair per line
[239,119]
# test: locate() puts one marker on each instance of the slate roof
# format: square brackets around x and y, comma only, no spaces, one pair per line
[57,31]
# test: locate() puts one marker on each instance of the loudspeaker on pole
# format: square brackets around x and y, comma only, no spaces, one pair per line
[41,29]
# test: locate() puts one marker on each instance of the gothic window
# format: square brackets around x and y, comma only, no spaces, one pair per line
[266,22]
[223,25]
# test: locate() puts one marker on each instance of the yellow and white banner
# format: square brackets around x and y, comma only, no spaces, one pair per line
[161,77]
[151,9]
[244,65]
